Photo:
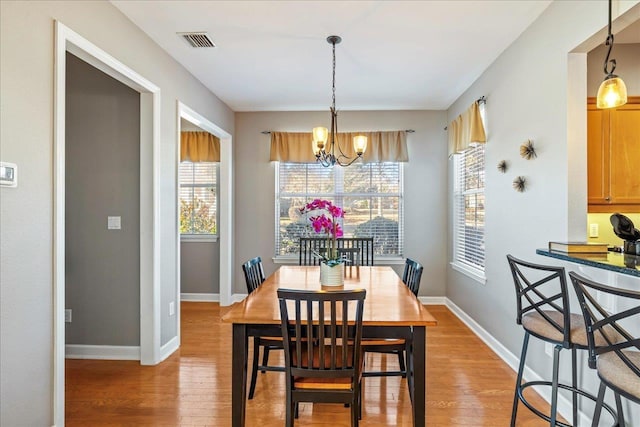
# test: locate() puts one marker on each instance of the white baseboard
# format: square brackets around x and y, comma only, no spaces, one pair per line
[167,350]
[104,352]
[433,300]
[565,406]
[200,297]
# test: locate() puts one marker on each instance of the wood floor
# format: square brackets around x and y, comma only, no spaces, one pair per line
[467,385]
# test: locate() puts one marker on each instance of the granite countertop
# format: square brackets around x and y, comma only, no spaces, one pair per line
[613,261]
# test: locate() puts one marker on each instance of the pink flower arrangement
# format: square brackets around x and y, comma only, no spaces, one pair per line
[326,223]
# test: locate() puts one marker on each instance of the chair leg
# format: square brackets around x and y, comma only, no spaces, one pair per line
[265,357]
[254,367]
[598,410]
[409,355]
[354,411]
[619,409]
[295,410]
[554,385]
[289,410]
[403,367]
[574,384]
[516,396]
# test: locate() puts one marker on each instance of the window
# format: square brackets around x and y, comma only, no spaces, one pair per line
[198,200]
[370,193]
[468,210]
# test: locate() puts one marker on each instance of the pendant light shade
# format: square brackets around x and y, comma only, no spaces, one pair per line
[612,93]
[359,144]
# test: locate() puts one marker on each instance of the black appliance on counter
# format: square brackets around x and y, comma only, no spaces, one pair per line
[625,229]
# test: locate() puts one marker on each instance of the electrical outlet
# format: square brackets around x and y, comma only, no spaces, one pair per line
[548,349]
[593,230]
[172,308]
[67,315]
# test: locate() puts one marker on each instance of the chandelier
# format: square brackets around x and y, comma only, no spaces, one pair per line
[324,140]
[612,91]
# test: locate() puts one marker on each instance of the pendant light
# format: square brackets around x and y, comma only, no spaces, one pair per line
[612,92]
[323,136]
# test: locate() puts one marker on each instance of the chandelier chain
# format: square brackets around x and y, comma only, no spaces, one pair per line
[333,98]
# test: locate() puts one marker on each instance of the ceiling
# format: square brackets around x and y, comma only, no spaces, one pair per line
[395,55]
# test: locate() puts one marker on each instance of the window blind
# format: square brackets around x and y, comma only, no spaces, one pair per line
[469,210]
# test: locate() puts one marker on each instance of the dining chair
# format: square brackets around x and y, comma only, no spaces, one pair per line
[401,347]
[543,310]
[322,333]
[359,250]
[254,277]
[618,361]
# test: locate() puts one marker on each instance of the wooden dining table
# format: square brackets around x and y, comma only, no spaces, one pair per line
[390,307]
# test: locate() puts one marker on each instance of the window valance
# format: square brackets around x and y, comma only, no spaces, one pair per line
[382,146]
[199,146]
[467,128]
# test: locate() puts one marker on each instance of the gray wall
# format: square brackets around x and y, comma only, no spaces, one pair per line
[627,58]
[200,267]
[425,183]
[26,212]
[527,91]
[102,179]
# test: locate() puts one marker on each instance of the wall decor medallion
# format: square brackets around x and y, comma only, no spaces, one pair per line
[502,166]
[527,150]
[520,183]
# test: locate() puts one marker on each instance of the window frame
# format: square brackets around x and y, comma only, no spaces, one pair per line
[469,269]
[379,259]
[201,237]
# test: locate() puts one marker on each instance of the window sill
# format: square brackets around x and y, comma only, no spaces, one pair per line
[473,273]
[198,238]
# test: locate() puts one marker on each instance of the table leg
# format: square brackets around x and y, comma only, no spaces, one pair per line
[420,376]
[239,375]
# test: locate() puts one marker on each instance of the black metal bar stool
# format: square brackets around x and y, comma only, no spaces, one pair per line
[543,311]
[617,362]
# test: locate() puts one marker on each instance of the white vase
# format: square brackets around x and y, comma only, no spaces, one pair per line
[332,276]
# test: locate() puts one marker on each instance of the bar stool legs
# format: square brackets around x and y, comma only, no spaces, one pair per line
[518,393]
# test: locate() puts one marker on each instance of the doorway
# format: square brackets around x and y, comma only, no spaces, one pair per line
[66,40]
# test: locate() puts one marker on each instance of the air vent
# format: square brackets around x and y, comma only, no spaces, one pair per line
[199,39]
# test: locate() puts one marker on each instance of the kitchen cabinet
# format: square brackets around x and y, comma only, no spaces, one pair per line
[613,153]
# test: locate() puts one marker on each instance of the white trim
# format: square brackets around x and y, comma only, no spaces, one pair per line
[474,273]
[433,300]
[565,407]
[225,201]
[197,237]
[66,40]
[200,297]
[169,348]
[102,352]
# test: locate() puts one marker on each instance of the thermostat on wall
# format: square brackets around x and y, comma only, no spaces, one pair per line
[8,174]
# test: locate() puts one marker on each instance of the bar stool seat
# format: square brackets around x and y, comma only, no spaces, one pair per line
[614,371]
[537,325]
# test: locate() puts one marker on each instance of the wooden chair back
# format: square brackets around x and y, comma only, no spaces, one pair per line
[359,250]
[253,273]
[412,275]
[542,289]
[322,333]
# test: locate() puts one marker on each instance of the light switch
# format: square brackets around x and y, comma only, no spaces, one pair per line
[593,230]
[113,223]
[8,174]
